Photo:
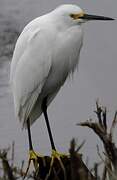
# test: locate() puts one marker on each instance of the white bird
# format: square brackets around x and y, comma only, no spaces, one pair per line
[46,53]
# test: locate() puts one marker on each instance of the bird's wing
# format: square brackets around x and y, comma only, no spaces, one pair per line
[30,74]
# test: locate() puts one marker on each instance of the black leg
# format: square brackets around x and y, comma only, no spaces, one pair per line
[44,109]
[29,135]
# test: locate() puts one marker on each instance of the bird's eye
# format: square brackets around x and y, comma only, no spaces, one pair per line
[72,16]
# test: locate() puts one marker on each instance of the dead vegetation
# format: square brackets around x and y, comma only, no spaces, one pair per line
[75,168]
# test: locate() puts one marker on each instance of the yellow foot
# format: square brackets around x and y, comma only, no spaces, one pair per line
[34,157]
[57,155]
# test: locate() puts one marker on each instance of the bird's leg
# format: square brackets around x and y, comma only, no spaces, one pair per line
[29,135]
[33,156]
[44,108]
[55,153]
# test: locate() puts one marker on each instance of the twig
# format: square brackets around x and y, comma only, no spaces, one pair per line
[100,128]
[7,168]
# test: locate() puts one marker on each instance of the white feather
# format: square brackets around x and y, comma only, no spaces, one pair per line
[28,84]
[46,53]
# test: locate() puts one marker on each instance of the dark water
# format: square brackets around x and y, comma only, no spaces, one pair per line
[76,101]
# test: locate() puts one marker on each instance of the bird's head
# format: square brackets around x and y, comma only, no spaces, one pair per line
[74,14]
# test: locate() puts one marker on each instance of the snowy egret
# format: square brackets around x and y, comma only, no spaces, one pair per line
[46,53]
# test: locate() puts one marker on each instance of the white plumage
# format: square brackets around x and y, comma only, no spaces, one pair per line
[46,52]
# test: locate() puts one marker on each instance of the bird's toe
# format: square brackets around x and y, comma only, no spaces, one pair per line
[33,157]
[59,157]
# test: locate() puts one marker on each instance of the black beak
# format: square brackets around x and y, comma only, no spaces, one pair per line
[95,17]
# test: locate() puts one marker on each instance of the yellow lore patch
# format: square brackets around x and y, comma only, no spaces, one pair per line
[77,16]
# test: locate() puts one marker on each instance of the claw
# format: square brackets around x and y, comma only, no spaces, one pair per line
[33,156]
[58,156]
